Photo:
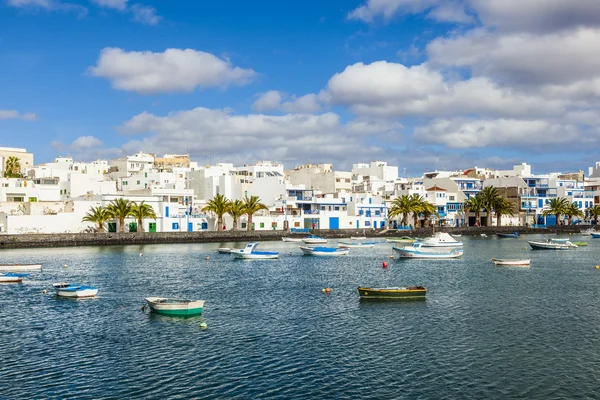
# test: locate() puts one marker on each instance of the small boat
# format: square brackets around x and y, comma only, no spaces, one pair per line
[356,244]
[512,262]
[12,277]
[595,235]
[250,253]
[393,293]
[324,251]
[441,239]
[403,239]
[314,240]
[63,289]
[358,237]
[551,244]
[579,244]
[175,307]
[224,250]
[20,267]
[513,235]
[291,239]
[457,235]
[416,250]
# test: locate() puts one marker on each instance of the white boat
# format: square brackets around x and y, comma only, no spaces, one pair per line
[11,277]
[358,237]
[250,253]
[324,251]
[175,307]
[551,244]
[20,267]
[356,244]
[75,290]
[441,239]
[314,240]
[291,239]
[512,262]
[224,250]
[416,250]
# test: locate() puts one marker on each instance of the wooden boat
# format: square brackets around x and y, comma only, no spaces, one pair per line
[441,239]
[74,290]
[551,244]
[224,250]
[175,307]
[12,277]
[20,267]
[403,239]
[250,253]
[356,244]
[393,293]
[512,262]
[291,239]
[358,237]
[314,240]
[324,251]
[416,250]
[513,235]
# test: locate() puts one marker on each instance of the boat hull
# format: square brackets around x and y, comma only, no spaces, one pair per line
[177,309]
[332,252]
[595,235]
[408,293]
[74,290]
[254,256]
[11,279]
[514,263]
[409,253]
[548,246]
[20,267]
[508,235]
[290,239]
[346,245]
[224,250]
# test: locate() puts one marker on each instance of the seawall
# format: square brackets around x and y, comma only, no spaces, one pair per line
[108,239]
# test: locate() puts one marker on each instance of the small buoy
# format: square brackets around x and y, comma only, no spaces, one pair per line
[65,265]
[207,257]
[326,290]
[597,266]
[141,254]
[385,264]
[45,291]
[203,325]
[391,256]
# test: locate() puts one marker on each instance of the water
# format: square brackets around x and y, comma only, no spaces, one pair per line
[484,331]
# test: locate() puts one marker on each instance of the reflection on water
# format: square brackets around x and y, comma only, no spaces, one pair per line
[484,331]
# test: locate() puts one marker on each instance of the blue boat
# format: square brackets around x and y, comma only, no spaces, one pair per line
[12,277]
[513,235]
[595,235]
[324,251]
[250,253]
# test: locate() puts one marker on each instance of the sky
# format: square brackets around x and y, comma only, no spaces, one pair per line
[420,84]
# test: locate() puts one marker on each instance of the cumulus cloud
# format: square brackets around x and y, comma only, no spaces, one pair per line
[48,5]
[274,100]
[144,14]
[14,114]
[290,137]
[174,70]
[389,8]
[85,143]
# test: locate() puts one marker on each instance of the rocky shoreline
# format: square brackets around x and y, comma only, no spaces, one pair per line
[109,239]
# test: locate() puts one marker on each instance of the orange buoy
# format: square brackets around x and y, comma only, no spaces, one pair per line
[385,264]
[327,290]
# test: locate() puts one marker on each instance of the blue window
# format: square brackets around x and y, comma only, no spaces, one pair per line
[370,200]
[175,225]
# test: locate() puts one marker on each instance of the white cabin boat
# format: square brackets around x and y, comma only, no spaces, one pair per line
[250,253]
[314,240]
[74,290]
[417,250]
[20,267]
[551,244]
[324,251]
[525,262]
[12,277]
[441,239]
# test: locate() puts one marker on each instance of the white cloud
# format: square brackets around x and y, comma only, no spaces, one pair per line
[290,137]
[144,14]
[389,8]
[48,5]
[14,114]
[116,4]
[274,100]
[174,70]
[85,143]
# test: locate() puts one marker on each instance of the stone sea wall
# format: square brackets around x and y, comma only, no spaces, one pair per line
[107,239]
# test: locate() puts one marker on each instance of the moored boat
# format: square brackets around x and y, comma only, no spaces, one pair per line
[175,307]
[324,251]
[75,290]
[12,277]
[595,235]
[403,239]
[513,235]
[393,293]
[20,267]
[551,244]
[358,237]
[224,250]
[512,262]
[250,253]
[416,250]
[356,244]
[291,239]
[314,240]
[441,239]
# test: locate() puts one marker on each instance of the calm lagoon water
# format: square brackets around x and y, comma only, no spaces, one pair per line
[483,332]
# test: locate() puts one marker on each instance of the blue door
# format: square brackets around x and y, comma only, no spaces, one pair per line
[167,212]
[334,223]
[190,227]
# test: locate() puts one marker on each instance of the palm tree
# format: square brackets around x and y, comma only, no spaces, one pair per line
[97,215]
[490,194]
[120,209]
[236,210]
[557,206]
[12,168]
[401,206]
[475,204]
[427,209]
[218,206]
[594,212]
[416,205]
[573,210]
[502,207]
[140,212]
[252,205]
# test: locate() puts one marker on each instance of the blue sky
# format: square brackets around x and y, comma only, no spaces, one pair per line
[422,84]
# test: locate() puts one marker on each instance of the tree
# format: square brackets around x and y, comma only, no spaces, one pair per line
[475,204]
[490,195]
[120,209]
[502,207]
[416,204]
[236,210]
[12,168]
[594,212]
[427,209]
[218,205]
[573,210]
[401,206]
[140,212]
[252,205]
[557,206]
[98,216]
